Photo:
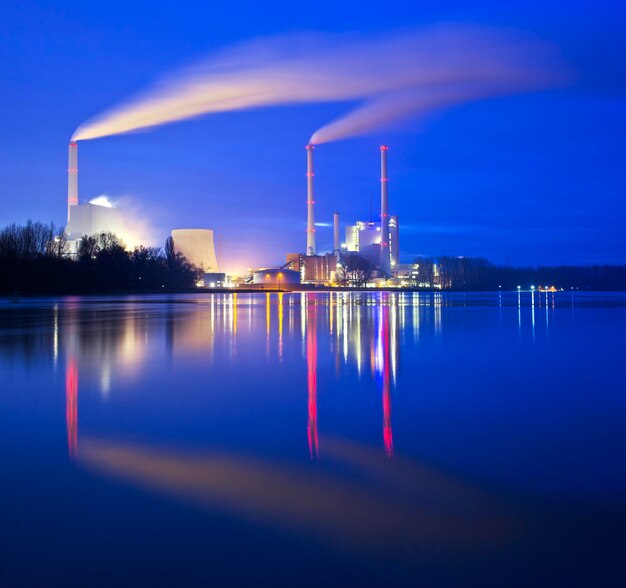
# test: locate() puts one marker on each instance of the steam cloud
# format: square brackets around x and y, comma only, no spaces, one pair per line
[391,78]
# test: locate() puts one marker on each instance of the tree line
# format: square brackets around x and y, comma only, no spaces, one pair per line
[478,273]
[34,260]
[448,272]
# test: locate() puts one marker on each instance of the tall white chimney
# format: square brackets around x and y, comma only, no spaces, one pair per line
[72,177]
[336,238]
[310,203]
[385,254]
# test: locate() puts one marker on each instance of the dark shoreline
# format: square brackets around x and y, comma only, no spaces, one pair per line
[173,291]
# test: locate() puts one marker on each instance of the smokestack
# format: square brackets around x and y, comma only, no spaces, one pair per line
[72,177]
[385,255]
[336,239]
[310,203]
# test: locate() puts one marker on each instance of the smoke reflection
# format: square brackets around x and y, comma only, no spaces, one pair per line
[391,509]
[393,76]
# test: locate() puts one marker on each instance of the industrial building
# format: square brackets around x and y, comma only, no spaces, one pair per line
[91,219]
[365,237]
[198,246]
[276,277]
[313,269]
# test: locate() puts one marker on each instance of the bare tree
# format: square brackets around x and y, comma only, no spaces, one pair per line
[58,246]
[354,270]
[170,251]
[87,248]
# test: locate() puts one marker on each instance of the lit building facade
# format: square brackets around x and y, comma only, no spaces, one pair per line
[276,277]
[90,219]
[313,269]
[364,238]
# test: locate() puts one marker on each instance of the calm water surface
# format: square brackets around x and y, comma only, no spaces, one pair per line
[361,439]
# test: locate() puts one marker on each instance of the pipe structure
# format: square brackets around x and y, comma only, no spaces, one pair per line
[72,177]
[385,253]
[336,238]
[310,203]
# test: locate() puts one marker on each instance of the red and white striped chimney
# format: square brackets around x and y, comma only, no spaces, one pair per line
[385,252]
[310,203]
[72,178]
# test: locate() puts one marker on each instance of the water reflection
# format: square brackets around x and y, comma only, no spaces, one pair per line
[311,359]
[388,512]
[71,406]
[395,425]
[384,368]
[111,340]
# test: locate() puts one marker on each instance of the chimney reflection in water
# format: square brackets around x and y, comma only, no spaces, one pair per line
[384,365]
[71,406]
[311,360]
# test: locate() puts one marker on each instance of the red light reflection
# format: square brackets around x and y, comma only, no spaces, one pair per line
[311,360]
[71,406]
[387,429]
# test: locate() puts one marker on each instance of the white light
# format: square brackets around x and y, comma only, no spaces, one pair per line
[102,200]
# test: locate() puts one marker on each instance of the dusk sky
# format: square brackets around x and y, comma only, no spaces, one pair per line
[535,177]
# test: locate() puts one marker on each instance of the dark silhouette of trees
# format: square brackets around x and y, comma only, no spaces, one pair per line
[170,252]
[34,259]
[478,273]
[425,275]
[355,270]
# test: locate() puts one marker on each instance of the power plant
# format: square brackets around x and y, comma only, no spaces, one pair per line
[89,218]
[375,241]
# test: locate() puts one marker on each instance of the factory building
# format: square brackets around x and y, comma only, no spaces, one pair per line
[198,246]
[90,219]
[313,269]
[365,238]
[276,277]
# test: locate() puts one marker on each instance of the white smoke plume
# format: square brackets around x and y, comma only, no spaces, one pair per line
[132,224]
[390,77]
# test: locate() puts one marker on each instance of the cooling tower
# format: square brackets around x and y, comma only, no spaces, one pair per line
[336,237]
[385,257]
[198,246]
[310,217]
[72,177]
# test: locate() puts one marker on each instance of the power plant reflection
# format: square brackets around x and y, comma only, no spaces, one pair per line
[359,332]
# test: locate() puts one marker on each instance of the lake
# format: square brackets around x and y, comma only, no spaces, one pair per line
[305,439]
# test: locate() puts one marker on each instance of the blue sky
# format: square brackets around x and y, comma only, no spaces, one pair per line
[533,179]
